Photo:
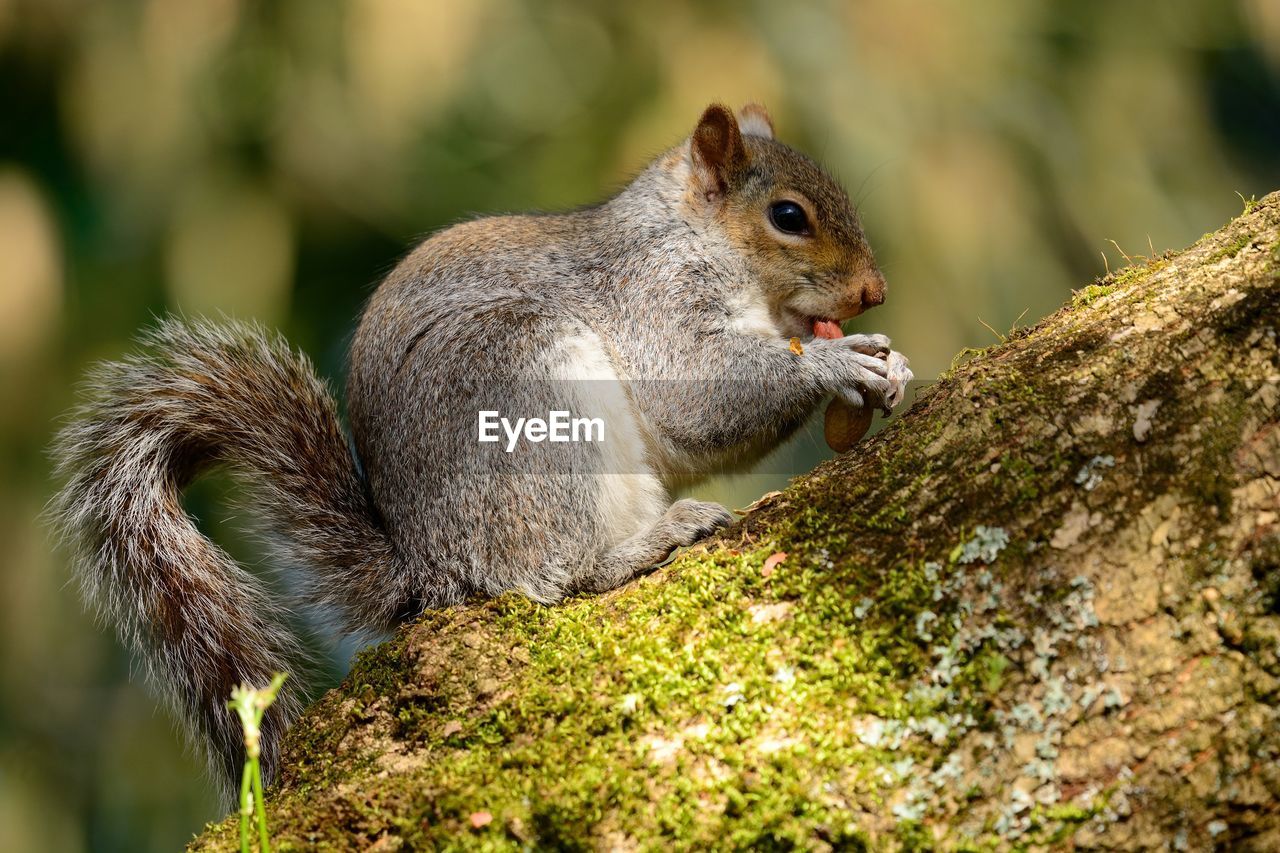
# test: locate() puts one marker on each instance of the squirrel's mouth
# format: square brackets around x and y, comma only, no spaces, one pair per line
[802,321]
[825,327]
[800,324]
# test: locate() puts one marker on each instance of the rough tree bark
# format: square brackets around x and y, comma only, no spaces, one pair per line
[1041,609]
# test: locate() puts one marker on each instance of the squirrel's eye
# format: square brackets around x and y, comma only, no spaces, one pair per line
[789,217]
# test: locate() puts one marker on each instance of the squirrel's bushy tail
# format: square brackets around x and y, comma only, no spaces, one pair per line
[205,395]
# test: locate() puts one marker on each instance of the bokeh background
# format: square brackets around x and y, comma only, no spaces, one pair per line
[273,160]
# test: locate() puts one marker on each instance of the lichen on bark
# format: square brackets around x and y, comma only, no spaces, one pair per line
[1042,608]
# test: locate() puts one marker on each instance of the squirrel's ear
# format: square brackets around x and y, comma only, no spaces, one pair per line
[717,151]
[754,120]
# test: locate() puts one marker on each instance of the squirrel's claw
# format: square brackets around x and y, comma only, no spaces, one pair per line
[899,376]
[872,345]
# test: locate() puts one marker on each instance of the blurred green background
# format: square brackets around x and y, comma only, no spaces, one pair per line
[274,159]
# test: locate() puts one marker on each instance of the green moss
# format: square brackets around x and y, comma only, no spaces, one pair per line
[990,669]
[963,357]
[1052,825]
[1120,280]
[569,753]
[1090,294]
[914,836]
[1231,249]
[376,670]
[1022,478]
[1138,272]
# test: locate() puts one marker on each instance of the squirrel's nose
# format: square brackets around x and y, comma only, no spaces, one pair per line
[868,290]
[873,290]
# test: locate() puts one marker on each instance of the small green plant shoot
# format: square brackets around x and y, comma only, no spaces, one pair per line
[250,704]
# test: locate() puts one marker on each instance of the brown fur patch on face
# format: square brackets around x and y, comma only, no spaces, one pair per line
[834,259]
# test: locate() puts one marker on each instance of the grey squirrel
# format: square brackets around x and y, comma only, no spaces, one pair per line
[686,290]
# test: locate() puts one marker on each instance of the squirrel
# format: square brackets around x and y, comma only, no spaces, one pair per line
[687,290]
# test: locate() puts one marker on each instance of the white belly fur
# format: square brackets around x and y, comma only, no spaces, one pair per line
[631,497]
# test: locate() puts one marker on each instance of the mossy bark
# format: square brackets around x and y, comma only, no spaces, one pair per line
[1042,608]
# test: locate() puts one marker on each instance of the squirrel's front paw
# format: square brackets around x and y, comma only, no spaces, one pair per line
[877,345]
[692,520]
[899,375]
[875,381]
[865,383]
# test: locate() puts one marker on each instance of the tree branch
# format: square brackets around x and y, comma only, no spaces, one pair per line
[1044,605]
